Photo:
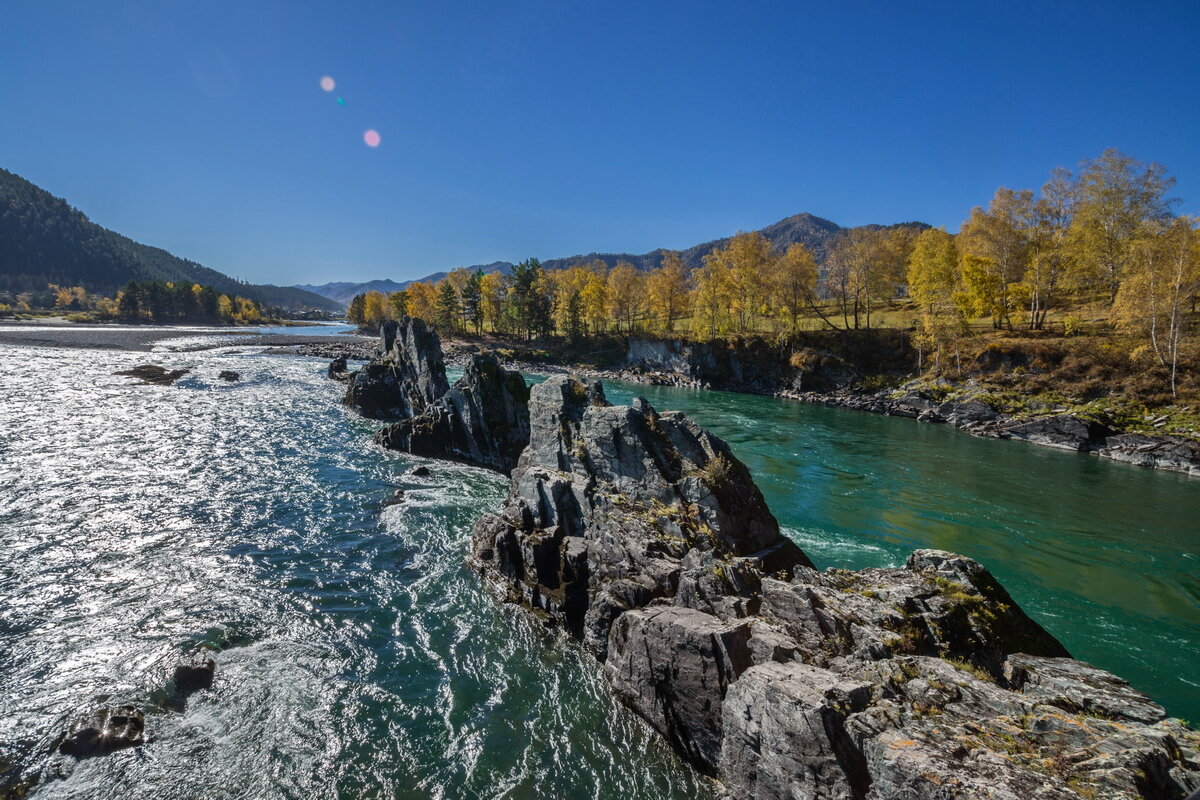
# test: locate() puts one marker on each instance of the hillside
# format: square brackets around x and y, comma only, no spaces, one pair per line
[44,240]
[815,233]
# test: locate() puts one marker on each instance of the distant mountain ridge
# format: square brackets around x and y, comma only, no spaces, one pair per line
[44,240]
[815,233]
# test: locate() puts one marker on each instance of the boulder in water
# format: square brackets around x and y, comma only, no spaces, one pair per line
[229,375]
[154,374]
[105,731]
[194,673]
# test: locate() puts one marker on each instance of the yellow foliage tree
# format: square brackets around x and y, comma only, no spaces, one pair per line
[422,301]
[626,287]
[667,290]
[933,284]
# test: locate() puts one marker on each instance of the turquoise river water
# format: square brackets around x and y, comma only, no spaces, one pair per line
[358,657]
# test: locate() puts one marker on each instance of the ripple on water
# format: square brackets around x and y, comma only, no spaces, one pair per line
[357,656]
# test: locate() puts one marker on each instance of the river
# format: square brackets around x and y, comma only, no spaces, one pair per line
[358,657]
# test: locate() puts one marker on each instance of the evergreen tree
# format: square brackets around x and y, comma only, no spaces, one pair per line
[448,308]
[574,327]
[472,300]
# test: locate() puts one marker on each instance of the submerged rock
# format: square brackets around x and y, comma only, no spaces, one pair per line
[420,471]
[482,420]
[193,674]
[154,374]
[338,369]
[105,731]
[407,377]
[640,534]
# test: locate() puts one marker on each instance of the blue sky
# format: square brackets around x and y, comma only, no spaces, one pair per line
[515,129]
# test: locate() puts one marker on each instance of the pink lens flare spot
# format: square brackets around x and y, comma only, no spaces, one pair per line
[371,138]
[327,83]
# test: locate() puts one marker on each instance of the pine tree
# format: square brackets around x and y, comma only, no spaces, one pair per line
[448,308]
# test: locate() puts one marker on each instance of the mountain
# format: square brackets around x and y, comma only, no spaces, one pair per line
[815,233]
[344,292]
[44,240]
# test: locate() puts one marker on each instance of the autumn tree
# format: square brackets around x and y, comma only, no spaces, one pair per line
[627,294]
[492,292]
[399,303]
[667,290]
[933,284]
[422,301]
[1163,279]
[710,308]
[596,299]
[1118,196]
[996,246]
[793,284]
[1050,253]
[376,308]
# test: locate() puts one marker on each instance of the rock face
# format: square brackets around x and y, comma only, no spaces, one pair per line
[640,534]
[482,420]
[105,731]
[407,377]
[606,503]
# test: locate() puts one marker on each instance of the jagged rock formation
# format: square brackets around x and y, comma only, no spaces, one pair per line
[606,503]
[407,377]
[482,420]
[640,534]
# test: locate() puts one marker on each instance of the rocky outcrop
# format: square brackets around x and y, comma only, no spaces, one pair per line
[104,731]
[1159,452]
[640,534]
[608,502]
[483,420]
[338,370]
[407,377]
[153,374]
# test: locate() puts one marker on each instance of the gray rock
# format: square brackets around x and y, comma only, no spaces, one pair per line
[153,374]
[407,378]
[193,674]
[605,503]
[483,420]
[338,369]
[1062,431]
[104,731]
[1173,453]
[673,666]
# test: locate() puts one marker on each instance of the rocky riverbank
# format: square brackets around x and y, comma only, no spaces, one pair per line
[641,535]
[1053,428]
[827,378]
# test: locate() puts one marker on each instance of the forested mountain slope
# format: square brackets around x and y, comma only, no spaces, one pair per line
[44,240]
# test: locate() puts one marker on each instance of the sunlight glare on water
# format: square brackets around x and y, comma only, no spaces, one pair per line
[357,656]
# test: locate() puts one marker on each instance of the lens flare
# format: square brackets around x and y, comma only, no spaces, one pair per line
[341,102]
[327,83]
[371,138]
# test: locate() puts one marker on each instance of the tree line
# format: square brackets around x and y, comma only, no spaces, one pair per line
[1104,237]
[142,301]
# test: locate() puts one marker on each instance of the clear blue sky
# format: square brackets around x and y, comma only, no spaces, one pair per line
[515,129]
